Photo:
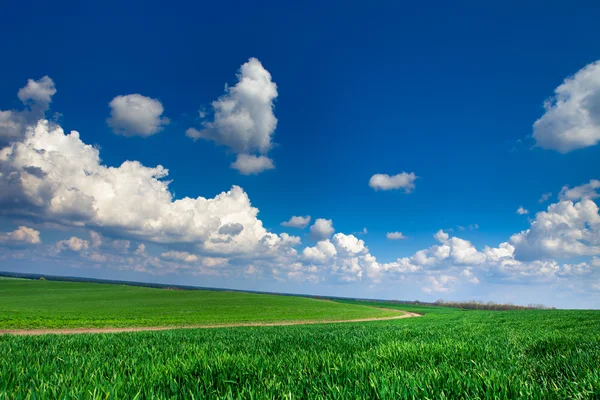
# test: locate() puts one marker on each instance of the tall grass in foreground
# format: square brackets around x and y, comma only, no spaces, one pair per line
[445,354]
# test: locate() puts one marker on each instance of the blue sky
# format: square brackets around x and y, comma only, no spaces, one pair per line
[449,93]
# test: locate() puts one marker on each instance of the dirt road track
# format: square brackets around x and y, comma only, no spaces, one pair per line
[74,331]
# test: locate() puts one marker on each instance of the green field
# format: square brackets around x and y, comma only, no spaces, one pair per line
[447,353]
[49,304]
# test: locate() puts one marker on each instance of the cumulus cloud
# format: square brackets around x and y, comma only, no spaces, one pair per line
[22,235]
[452,250]
[404,181]
[585,191]
[344,257]
[73,243]
[57,177]
[522,211]
[322,229]
[248,164]
[243,118]
[136,115]
[572,117]
[297,222]
[36,97]
[395,235]
[38,92]
[289,240]
[323,251]
[566,229]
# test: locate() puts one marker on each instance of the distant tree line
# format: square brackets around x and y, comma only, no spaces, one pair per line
[490,305]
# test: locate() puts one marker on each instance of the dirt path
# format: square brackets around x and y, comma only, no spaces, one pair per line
[75,331]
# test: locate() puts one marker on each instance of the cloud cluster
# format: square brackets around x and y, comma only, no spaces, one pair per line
[566,229]
[572,117]
[404,181]
[57,177]
[36,96]
[136,115]
[51,176]
[243,118]
[343,257]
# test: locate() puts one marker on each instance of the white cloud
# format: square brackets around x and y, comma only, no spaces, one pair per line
[248,164]
[36,96]
[141,250]
[38,92]
[136,115]
[323,251]
[395,235]
[348,244]
[452,251]
[297,222]
[522,211]
[545,197]
[463,252]
[73,243]
[495,254]
[322,229]
[57,177]
[244,119]
[21,235]
[566,229]
[180,256]
[441,236]
[440,284]
[572,118]
[585,191]
[471,278]
[251,270]
[289,240]
[95,239]
[121,245]
[344,257]
[405,181]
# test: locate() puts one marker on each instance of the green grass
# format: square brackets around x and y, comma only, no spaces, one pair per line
[51,304]
[446,354]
